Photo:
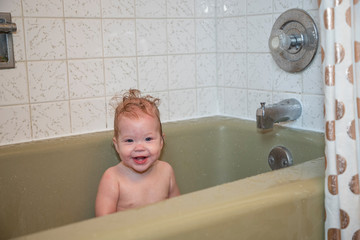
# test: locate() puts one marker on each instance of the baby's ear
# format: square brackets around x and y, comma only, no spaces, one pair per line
[162,140]
[115,143]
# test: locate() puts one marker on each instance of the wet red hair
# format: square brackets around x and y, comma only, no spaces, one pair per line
[132,103]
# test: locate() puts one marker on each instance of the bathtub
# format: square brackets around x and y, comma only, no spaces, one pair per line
[48,188]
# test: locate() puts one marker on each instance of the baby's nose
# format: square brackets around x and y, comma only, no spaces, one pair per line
[139,147]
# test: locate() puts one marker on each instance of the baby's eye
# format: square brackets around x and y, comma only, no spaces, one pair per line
[129,140]
[148,139]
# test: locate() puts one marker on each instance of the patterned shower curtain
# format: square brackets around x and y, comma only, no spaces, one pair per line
[340,50]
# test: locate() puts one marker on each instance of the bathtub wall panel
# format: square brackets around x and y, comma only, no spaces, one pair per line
[203,57]
[227,149]
[47,179]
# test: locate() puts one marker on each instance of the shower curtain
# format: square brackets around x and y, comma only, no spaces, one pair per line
[340,51]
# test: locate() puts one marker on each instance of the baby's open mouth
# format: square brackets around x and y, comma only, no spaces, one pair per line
[140,159]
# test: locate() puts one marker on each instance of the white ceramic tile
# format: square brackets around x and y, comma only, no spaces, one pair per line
[279,96]
[42,8]
[219,8]
[180,8]
[220,69]
[234,8]
[286,82]
[50,119]
[13,7]
[220,23]
[207,101]
[312,77]
[310,4]
[47,81]
[13,85]
[275,16]
[283,5]
[313,112]
[150,8]
[14,124]
[163,106]
[86,78]
[205,8]
[83,38]
[235,102]
[235,34]
[151,37]
[82,8]
[153,73]
[259,6]
[260,69]
[18,40]
[118,8]
[88,115]
[110,112]
[44,38]
[119,38]
[206,70]
[205,35]
[181,71]
[182,104]
[254,99]
[181,36]
[259,29]
[234,70]
[221,100]
[120,74]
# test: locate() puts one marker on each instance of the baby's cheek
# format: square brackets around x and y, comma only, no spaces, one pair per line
[156,150]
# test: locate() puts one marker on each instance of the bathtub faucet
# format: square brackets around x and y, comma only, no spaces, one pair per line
[285,110]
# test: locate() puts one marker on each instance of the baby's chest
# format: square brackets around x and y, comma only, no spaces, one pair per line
[145,192]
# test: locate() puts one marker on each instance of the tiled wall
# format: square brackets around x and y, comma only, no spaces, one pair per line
[72,56]
[247,74]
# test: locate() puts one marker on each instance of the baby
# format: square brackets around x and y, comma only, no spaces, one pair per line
[140,178]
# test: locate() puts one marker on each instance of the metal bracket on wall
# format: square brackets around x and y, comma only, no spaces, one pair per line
[6,41]
[294,40]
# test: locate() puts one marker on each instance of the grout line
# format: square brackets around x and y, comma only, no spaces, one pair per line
[136,47]
[167,62]
[27,74]
[197,109]
[103,67]
[67,69]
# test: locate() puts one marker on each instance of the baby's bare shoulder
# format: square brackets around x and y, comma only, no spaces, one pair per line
[165,166]
[112,172]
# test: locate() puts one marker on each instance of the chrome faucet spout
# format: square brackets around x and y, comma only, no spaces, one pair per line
[285,110]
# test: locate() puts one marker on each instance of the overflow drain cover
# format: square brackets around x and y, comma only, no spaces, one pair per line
[280,157]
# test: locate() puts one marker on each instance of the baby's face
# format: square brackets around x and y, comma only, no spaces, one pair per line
[139,142]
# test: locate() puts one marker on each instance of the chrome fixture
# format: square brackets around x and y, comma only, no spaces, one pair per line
[280,157]
[6,42]
[285,110]
[294,40]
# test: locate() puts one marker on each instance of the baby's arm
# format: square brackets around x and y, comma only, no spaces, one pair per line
[108,195]
[174,189]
